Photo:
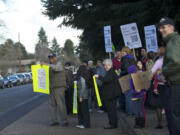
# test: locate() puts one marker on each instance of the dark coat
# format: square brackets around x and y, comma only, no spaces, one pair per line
[171,64]
[110,85]
[127,61]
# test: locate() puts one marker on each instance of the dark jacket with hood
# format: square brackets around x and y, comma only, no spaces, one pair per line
[110,85]
[127,61]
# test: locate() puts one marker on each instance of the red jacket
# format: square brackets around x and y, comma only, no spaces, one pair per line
[116,64]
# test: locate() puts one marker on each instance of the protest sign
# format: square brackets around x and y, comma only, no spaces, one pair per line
[75,104]
[107,39]
[125,83]
[151,38]
[40,76]
[131,35]
[141,81]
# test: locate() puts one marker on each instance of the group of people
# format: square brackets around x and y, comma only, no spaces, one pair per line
[164,92]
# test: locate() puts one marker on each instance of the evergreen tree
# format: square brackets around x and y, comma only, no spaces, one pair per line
[55,48]
[92,15]
[42,50]
[69,47]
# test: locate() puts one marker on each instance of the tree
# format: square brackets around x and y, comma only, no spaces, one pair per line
[69,47]
[42,50]
[23,52]
[55,48]
[92,15]
[8,55]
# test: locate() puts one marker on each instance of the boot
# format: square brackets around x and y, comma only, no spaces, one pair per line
[137,123]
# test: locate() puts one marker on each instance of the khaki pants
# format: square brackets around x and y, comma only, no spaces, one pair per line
[57,99]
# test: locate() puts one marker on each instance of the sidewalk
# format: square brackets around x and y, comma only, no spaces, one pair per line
[36,123]
[151,122]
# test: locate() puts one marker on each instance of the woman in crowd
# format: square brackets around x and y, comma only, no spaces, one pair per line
[150,62]
[149,65]
[111,90]
[127,61]
[83,110]
[157,98]
[138,98]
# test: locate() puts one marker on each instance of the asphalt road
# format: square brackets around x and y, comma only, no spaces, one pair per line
[16,102]
[11,97]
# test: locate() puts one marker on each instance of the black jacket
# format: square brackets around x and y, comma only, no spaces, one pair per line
[110,85]
[127,61]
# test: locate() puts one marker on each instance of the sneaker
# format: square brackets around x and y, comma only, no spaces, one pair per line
[100,111]
[80,126]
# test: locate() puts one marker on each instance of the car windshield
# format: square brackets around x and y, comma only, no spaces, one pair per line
[26,75]
[20,76]
[12,77]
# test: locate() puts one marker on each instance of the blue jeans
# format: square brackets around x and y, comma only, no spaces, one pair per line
[130,109]
[139,108]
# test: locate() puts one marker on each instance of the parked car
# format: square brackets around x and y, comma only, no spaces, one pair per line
[28,77]
[7,82]
[1,82]
[14,80]
[22,77]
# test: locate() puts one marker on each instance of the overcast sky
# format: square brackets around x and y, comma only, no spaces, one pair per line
[25,16]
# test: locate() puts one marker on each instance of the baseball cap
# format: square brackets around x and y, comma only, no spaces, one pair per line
[164,21]
[67,64]
[51,55]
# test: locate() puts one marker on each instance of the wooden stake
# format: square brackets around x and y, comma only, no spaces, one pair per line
[134,53]
[110,55]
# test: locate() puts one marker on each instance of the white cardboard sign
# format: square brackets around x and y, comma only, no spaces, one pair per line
[107,38]
[131,35]
[151,38]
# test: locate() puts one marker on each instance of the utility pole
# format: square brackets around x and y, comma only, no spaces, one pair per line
[19,52]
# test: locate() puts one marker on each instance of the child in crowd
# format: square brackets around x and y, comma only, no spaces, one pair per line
[138,98]
[83,78]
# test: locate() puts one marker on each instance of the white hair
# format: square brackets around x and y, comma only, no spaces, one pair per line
[90,62]
[108,62]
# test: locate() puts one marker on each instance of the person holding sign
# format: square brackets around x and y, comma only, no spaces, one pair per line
[111,90]
[138,97]
[57,91]
[127,61]
[84,80]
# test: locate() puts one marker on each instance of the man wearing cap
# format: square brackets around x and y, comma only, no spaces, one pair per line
[57,91]
[171,68]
